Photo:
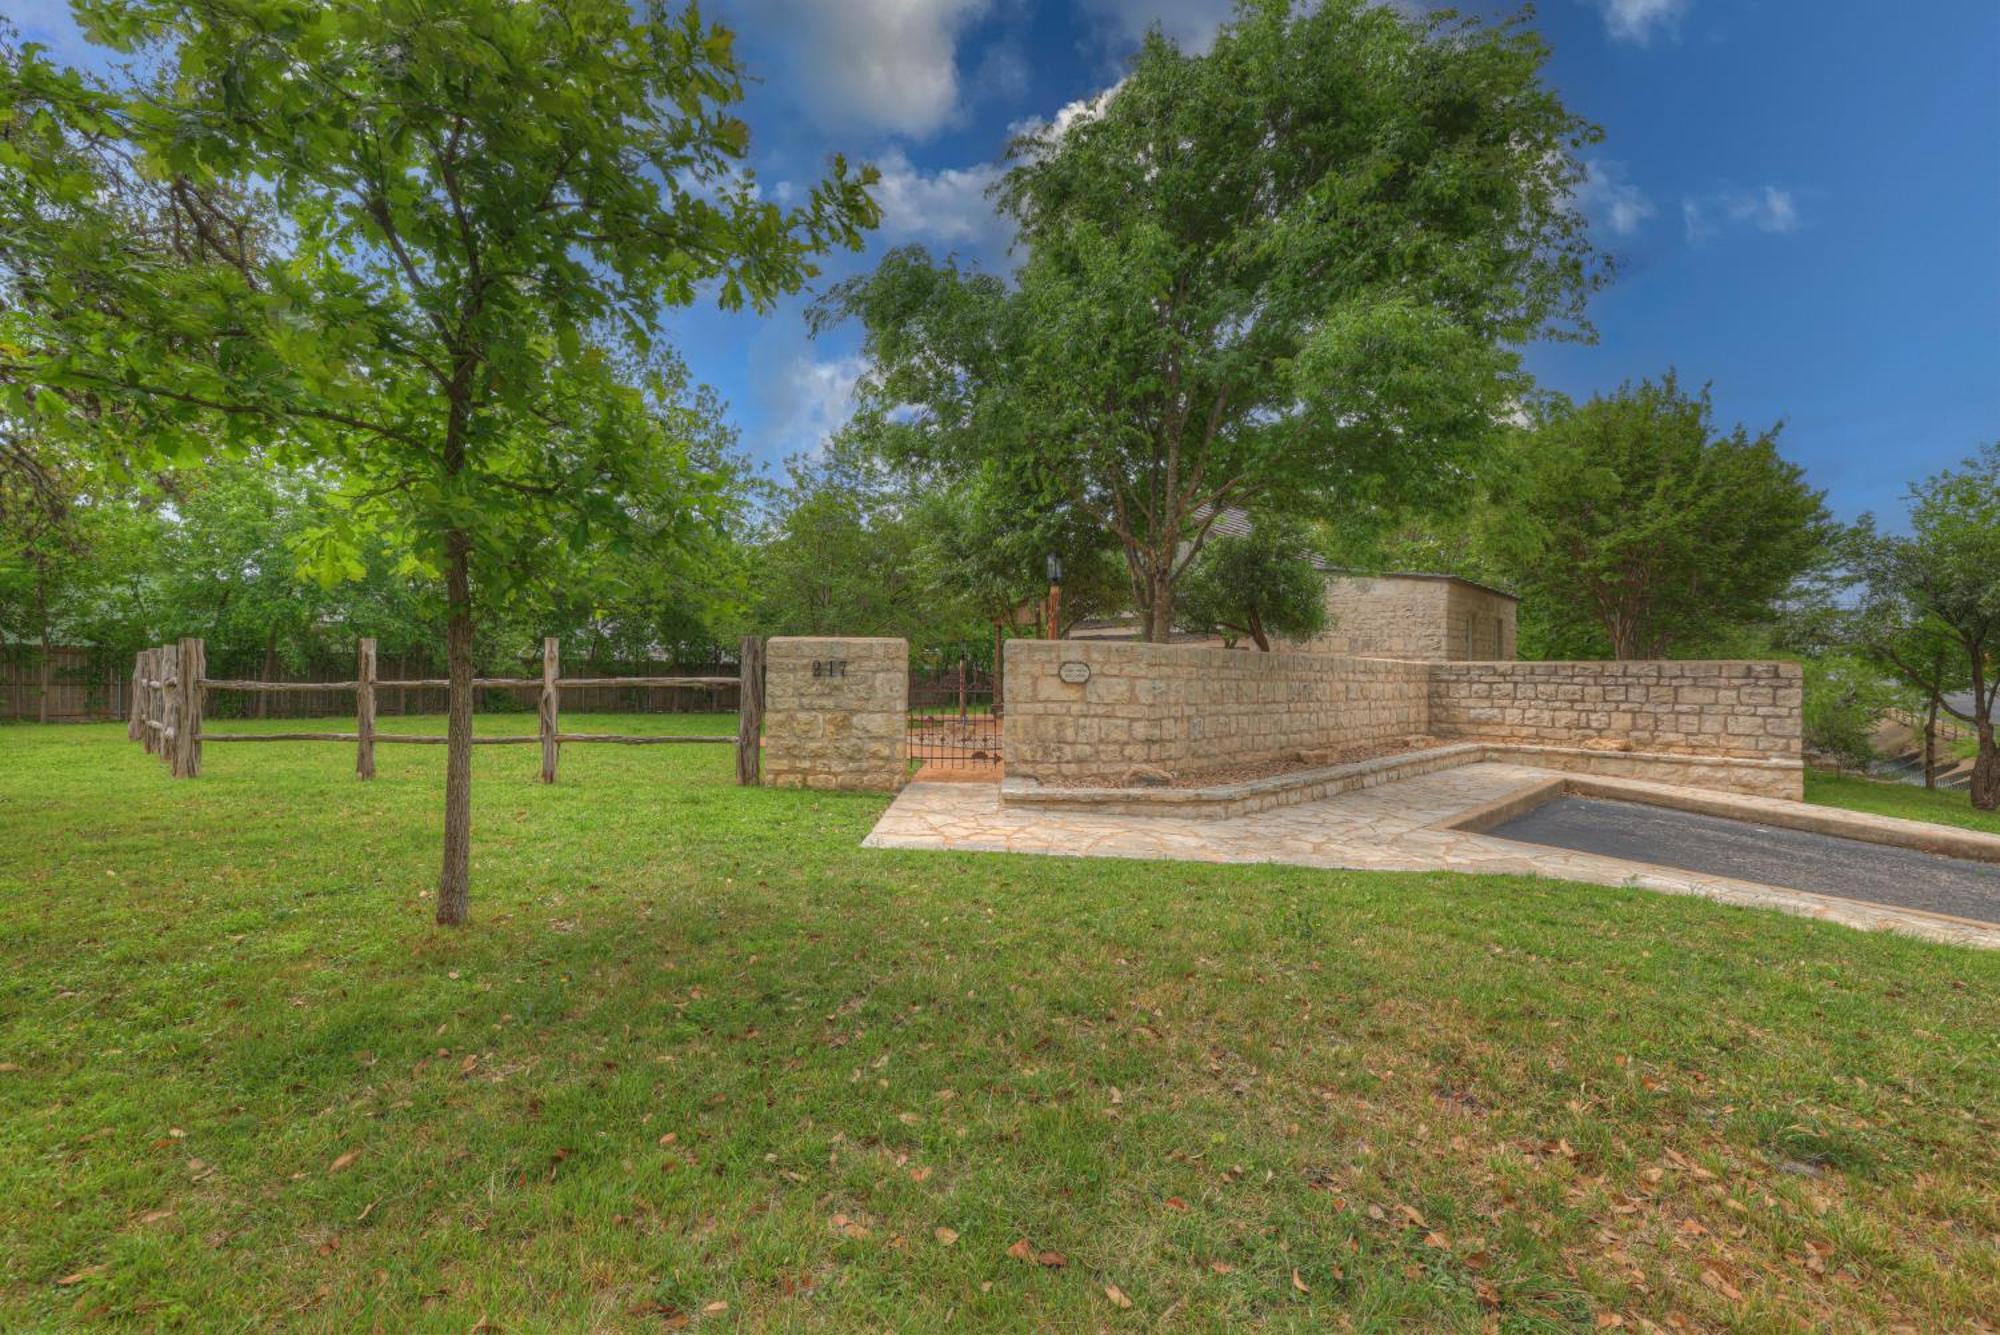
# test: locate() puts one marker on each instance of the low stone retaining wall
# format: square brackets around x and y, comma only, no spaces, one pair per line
[1742,709]
[1092,711]
[835,713]
[1082,710]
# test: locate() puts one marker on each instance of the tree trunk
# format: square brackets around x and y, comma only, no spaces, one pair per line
[1160,610]
[1930,743]
[1257,635]
[1986,771]
[455,880]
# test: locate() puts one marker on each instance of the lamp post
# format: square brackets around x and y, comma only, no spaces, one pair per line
[1055,596]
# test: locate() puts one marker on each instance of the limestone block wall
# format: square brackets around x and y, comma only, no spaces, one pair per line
[1187,707]
[835,713]
[1744,709]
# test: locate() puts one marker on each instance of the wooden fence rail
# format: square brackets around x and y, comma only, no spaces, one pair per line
[170,689]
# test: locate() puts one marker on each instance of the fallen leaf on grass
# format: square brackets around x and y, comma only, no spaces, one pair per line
[1437,1240]
[344,1161]
[1412,1216]
[67,1280]
[1176,1203]
[1117,1296]
[1022,1250]
[716,1308]
[1222,1267]
[1300,1284]
[155,1216]
[919,1174]
[1053,1260]
[1722,1286]
[945,1236]
[9,1066]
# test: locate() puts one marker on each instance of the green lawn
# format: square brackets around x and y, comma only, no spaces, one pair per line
[1904,800]
[699,1048]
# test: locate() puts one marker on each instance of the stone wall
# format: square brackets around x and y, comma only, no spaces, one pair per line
[1415,616]
[1078,710]
[1741,709]
[835,713]
[1182,707]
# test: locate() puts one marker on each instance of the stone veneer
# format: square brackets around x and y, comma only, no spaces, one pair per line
[835,713]
[1733,726]
[1182,707]
[1743,709]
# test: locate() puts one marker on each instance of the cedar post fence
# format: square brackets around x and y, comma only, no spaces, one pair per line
[749,710]
[364,710]
[551,748]
[170,686]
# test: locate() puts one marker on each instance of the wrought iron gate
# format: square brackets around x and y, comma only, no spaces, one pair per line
[952,720]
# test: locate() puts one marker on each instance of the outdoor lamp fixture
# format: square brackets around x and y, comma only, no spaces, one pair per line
[1055,596]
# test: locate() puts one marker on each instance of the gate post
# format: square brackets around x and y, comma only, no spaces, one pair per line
[187,744]
[750,710]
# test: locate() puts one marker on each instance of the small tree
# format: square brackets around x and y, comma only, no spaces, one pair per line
[1630,515]
[1292,268]
[1941,586]
[1260,584]
[481,202]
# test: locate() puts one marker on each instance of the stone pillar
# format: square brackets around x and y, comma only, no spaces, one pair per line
[835,713]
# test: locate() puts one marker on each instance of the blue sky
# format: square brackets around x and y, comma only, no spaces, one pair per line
[1803,196]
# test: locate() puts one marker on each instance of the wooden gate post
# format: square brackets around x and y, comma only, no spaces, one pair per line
[149,709]
[550,706]
[193,666]
[749,710]
[364,709]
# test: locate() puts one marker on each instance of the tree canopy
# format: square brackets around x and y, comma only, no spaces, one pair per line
[1257,584]
[1289,273]
[1631,518]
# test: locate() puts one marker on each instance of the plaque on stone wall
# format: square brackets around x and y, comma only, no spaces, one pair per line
[1074,672]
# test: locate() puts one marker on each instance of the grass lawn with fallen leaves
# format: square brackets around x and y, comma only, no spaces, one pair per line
[702,1060]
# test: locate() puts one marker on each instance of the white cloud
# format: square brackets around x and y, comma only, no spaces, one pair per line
[1608,198]
[948,206]
[1636,20]
[1190,23]
[1068,114]
[1766,208]
[810,401]
[883,64]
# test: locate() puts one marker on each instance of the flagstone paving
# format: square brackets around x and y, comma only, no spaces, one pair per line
[1397,826]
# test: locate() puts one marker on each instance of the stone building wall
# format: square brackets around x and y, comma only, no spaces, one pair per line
[1415,616]
[835,713]
[1183,707]
[1678,708]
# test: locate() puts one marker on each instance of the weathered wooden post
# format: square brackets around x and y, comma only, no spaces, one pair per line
[550,707]
[193,667]
[170,705]
[135,710]
[149,671]
[364,710]
[749,710]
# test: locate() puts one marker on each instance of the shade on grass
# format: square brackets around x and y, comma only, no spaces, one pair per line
[700,1048]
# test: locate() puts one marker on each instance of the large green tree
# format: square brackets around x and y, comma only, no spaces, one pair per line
[1290,272]
[1630,517]
[1938,587]
[481,202]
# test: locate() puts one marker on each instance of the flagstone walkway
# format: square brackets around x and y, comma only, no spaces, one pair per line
[1401,826]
